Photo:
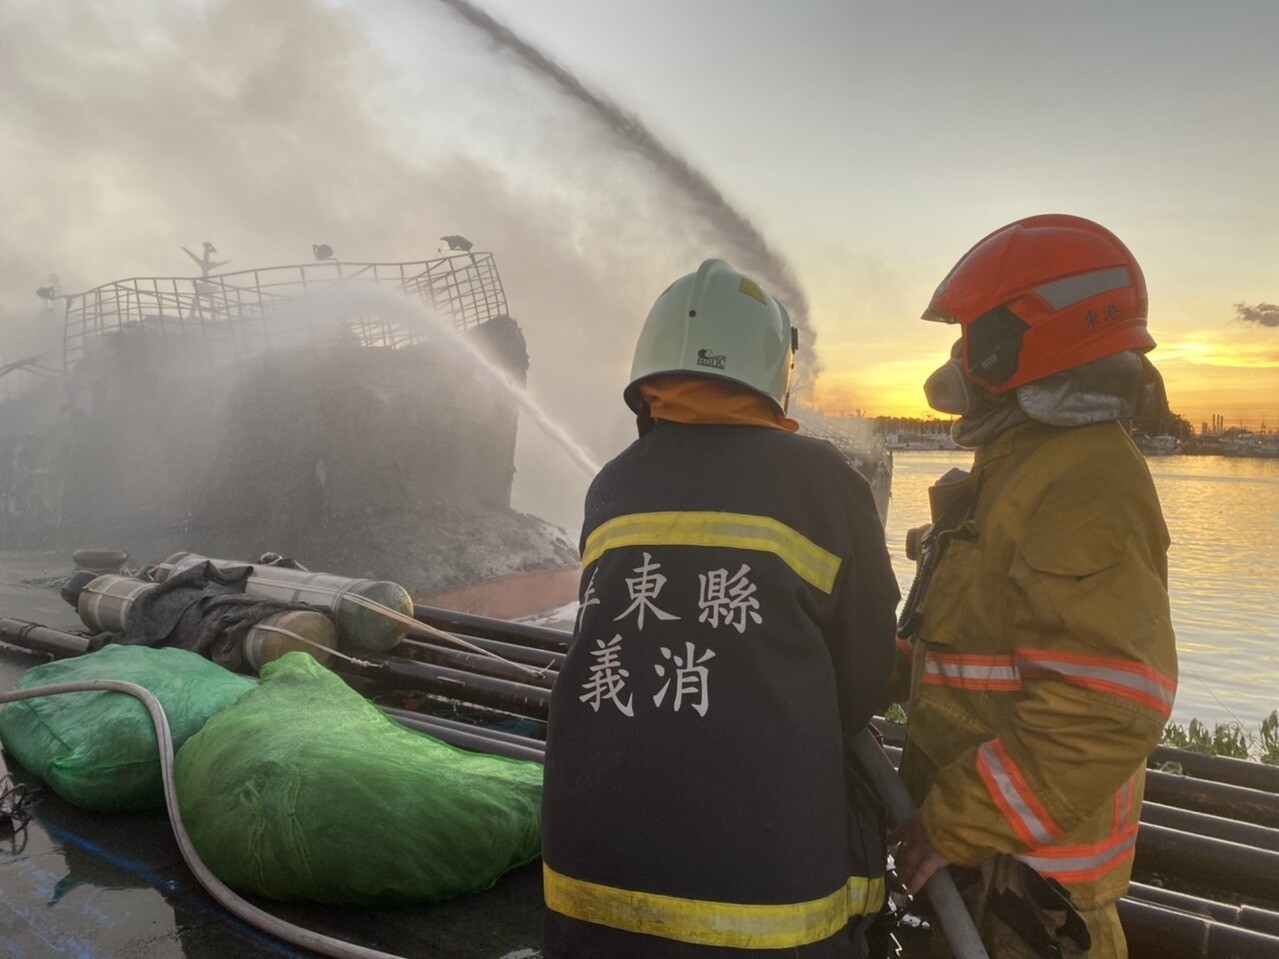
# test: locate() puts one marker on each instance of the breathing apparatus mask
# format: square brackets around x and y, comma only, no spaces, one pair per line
[1117,387]
[982,414]
[948,389]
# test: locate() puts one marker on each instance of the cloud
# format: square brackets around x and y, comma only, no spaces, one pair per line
[1266,314]
[1214,350]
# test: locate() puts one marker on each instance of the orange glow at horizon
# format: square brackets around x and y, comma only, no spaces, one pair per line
[1206,374]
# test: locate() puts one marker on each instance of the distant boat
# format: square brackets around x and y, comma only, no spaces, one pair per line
[920,441]
[1247,443]
[1162,445]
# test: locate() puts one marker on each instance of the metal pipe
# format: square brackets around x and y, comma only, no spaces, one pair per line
[1154,930]
[518,698]
[541,658]
[1216,827]
[504,735]
[535,637]
[454,658]
[1207,861]
[42,639]
[472,739]
[1222,769]
[1245,917]
[1218,799]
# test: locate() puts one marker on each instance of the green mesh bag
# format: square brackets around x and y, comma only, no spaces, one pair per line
[98,749]
[303,790]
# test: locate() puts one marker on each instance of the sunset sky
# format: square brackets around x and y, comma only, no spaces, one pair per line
[875,142]
[869,144]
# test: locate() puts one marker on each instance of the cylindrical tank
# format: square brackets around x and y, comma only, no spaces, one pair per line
[104,603]
[266,641]
[356,624]
[100,560]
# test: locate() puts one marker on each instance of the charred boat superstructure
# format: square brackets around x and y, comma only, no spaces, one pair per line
[323,409]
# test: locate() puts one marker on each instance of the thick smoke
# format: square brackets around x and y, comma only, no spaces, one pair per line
[133,130]
[1266,314]
[751,251]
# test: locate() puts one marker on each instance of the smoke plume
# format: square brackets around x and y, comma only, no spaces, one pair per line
[754,255]
[134,129]
[1266,314]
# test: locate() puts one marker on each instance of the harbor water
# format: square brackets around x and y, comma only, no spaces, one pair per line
[1223,572]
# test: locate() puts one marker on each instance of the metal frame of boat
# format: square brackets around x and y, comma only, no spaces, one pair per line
[246,312]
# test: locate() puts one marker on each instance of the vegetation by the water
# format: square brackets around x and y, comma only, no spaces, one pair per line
[1231,739]
[1157,423]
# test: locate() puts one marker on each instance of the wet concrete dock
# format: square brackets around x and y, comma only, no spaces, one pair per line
[86,885]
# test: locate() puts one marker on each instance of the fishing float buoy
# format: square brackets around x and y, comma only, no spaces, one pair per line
[100,560]
[293,630]
[103,604]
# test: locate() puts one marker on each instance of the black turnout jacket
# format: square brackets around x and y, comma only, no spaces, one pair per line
[736,627]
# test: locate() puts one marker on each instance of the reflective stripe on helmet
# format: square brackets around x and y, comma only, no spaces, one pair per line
[710,923]
[1078,289]
[1074,289]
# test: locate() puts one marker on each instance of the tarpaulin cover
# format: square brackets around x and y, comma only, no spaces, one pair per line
[304,790]
[203,609]
[98,749]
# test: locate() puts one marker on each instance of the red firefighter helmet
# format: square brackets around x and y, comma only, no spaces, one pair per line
[1042,295]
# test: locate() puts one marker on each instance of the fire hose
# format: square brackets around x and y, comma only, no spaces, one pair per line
[956,923]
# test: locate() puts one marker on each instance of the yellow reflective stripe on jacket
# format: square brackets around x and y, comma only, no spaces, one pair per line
[708,923]
[735,530]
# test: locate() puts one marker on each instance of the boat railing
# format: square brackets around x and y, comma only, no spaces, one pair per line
[246,312]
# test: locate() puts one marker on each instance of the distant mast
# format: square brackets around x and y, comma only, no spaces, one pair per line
[206,262]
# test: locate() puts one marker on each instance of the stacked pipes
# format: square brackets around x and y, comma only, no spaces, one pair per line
[1218,831]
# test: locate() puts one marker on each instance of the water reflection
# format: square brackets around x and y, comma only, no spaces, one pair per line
[1223,518]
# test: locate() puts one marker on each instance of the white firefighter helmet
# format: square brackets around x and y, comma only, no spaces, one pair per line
[720,324]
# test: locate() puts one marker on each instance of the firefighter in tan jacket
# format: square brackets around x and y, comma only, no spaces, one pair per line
[1041,653]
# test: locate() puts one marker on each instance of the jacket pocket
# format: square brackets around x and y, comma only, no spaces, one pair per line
[945,604]
[1074,578]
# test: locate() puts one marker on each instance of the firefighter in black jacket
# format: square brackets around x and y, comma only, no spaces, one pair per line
[736,629]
